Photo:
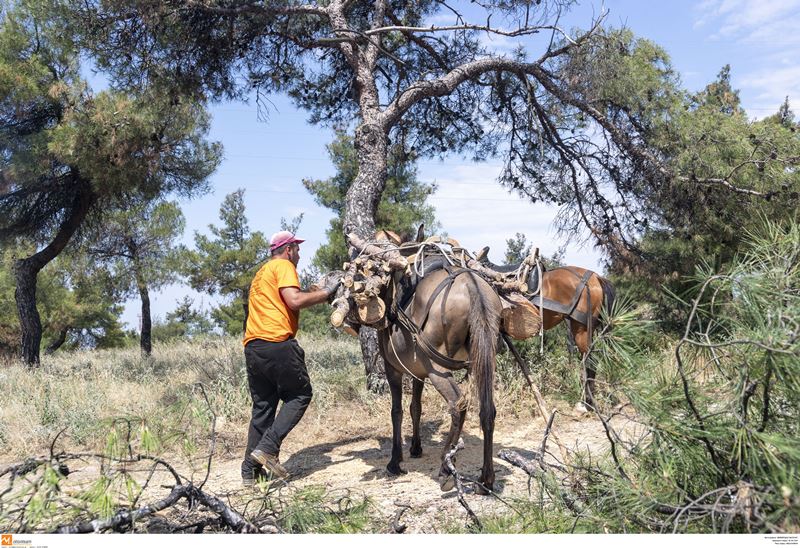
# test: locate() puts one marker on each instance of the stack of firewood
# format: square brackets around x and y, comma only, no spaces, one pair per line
[364,280]
[367,275]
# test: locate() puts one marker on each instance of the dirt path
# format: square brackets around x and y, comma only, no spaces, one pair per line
[347,456]
[346,452]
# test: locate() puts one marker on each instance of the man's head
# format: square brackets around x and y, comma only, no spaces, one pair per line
[285,245]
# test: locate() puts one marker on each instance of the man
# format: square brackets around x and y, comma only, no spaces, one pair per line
[276,369]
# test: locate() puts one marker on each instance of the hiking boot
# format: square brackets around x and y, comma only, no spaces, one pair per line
[270,463]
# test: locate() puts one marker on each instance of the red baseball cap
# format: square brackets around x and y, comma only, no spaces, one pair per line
[282,238]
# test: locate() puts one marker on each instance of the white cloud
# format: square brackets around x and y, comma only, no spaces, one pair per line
[772,86]
[475,210]
[769,30]
[736,17]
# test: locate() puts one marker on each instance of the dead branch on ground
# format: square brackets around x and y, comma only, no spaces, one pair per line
[459,483]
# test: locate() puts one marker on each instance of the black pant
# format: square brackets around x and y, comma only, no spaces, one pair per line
[275,371]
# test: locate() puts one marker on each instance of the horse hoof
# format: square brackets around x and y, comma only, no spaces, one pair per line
[415,452]
[395,470]
[481,489]
[446,482]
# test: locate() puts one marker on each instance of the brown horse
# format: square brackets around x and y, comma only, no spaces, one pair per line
[451,322]
[579,296]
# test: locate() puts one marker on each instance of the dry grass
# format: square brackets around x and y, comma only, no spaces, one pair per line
[90,394]
[85,393]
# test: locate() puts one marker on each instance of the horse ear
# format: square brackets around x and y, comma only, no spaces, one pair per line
[482,255]
[420,234]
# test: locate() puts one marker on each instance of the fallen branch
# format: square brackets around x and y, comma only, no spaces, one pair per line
[538,469]
[229,517]
[398,527]
[448,460]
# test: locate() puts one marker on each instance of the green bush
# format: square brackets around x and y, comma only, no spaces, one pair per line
[722,410]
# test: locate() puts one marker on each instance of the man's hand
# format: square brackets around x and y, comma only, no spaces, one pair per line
[334,280]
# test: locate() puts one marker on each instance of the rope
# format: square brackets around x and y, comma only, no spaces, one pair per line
[391,344]
[420,259]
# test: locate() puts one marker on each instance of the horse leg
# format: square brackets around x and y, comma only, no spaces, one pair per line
[588,372]
[446,385]
[487,417]
[416,413]
[395,379]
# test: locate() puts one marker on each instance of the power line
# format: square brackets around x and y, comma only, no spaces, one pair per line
[510,199]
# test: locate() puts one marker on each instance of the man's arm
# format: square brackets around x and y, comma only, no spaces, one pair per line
[297,299]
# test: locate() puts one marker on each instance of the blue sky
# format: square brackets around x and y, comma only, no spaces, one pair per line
[269,159]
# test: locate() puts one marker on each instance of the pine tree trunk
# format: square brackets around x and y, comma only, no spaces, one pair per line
[58,342]
[361,205]
[27,270]
[145,338]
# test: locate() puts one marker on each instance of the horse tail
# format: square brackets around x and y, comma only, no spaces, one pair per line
[609,295]
[484,327]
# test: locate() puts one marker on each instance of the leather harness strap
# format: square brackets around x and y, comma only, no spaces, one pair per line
[568,309]
[407,322]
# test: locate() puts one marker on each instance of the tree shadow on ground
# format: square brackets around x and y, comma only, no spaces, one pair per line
[314,458]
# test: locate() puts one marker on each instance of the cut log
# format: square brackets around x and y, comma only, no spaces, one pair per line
[520,318]
[391,254]
[485,271]
[340,309]
[388,236]
[513,286]
[374,285]
[371,311]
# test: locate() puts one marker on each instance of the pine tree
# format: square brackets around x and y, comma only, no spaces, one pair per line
[403,206]
[227,263]
[69,155]
[139,243]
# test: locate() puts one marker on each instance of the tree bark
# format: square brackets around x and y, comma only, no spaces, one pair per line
[372,146]
[145,337]
[361,204]
[27,270]
[245,308]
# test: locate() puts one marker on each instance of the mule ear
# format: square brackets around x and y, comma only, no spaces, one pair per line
[420,234]
[482,255]
[384,235]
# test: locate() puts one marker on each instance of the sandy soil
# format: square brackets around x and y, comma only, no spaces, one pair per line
[347,451]
[352,455]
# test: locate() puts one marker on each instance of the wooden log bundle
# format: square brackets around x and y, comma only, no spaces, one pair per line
[365,279]
[390,255]
[369,273]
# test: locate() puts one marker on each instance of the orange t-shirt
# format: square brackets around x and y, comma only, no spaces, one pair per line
[269,317]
